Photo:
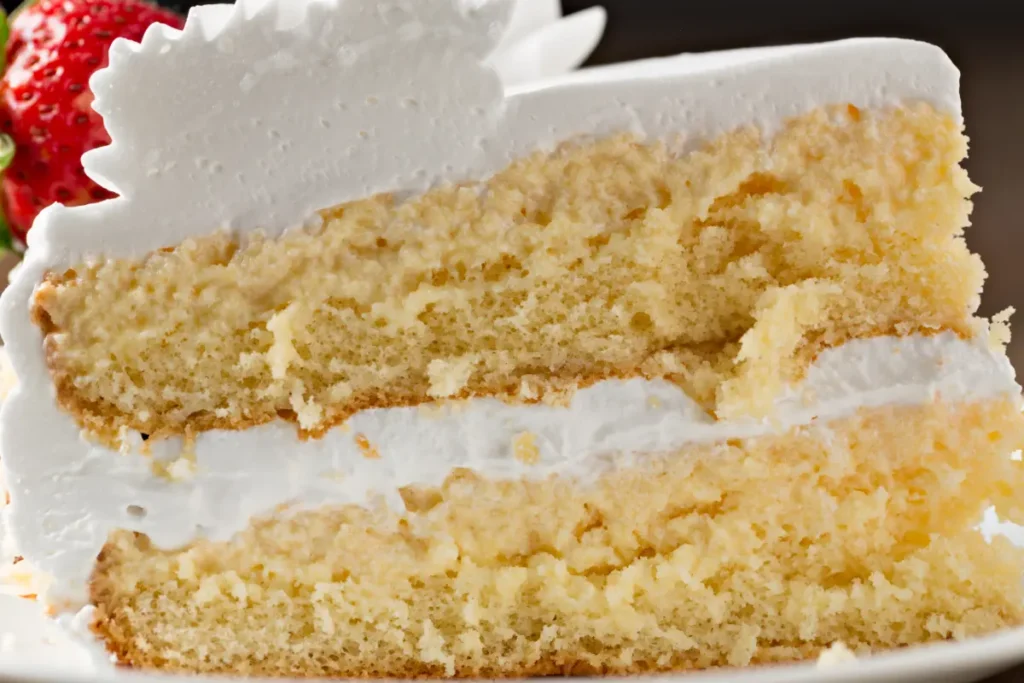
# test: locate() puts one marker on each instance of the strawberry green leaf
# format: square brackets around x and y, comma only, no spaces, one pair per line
[7,151]
[5,32]
[6,240]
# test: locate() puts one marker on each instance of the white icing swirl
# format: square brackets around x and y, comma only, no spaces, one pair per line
[538,44]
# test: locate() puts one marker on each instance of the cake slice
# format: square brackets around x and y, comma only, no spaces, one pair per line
[374,370]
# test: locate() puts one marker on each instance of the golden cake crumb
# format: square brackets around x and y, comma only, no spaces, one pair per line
[999,330]
[525,449]
[725,270]
[368,450]
[449,377]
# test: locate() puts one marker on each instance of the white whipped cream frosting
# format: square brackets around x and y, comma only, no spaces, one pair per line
[539,43]
[260,113]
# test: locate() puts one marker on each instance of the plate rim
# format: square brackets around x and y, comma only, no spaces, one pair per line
[990,652]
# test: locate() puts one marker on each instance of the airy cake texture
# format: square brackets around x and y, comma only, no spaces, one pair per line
[757,550]
[726,269]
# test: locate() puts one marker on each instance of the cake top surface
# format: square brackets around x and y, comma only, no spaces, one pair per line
[263,112]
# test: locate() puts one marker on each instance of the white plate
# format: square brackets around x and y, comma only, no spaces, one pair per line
[34,650]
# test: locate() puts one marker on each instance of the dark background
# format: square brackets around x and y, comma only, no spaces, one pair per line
[984,37]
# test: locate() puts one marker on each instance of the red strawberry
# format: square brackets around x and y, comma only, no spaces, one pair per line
[45,102]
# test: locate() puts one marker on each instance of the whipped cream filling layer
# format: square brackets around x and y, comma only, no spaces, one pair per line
[63,510]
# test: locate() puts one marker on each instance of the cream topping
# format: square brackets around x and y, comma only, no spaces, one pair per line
[538,44]
[260,113]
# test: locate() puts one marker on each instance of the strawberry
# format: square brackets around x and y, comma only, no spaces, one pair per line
[46,114]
